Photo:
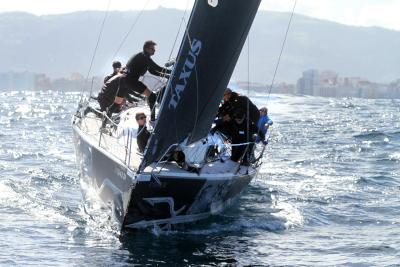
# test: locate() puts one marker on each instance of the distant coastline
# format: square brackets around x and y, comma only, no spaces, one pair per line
[313,82]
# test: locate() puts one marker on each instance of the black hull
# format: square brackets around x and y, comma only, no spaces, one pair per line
[106,174]
[154,199]
[175,200]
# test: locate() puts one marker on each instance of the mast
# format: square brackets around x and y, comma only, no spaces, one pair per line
[216,33]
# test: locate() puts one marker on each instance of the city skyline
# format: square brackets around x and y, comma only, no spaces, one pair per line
[325,83]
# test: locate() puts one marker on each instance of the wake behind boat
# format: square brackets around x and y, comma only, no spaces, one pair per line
[185,173]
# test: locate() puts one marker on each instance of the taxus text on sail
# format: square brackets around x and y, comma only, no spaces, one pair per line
[186,72]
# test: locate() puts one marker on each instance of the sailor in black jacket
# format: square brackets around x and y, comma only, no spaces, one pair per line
[242,132]
[233,101]
[137,66]
[116,67]
[143,134]
[113,93]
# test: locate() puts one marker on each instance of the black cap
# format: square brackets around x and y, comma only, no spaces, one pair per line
[116,64]
[227,91]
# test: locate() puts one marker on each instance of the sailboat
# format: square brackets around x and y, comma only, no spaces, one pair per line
[151,189]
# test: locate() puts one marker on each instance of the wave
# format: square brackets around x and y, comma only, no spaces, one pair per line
[395,156]
[379,180]
[371,135]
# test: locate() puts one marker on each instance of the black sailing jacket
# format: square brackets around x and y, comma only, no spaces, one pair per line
[239,102]
[138,64]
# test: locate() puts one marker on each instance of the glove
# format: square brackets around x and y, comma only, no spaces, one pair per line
[169,63]
[265,142]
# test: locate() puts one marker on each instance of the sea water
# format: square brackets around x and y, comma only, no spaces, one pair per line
[327,194]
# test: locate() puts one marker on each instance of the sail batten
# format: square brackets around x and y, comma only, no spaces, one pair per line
[211,46]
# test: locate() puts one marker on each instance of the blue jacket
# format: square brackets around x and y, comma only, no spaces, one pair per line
[262,121]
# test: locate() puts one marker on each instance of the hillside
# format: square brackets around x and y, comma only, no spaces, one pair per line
[61,44]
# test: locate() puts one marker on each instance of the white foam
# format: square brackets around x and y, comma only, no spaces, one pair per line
[7,194]
[395,156]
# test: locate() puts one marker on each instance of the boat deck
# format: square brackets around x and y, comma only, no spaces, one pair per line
[111,141]
[123,146]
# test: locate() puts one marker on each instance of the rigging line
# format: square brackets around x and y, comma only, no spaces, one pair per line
[173,46]
[283,46]
[248,89]
[97,45]
[263,151]
[179,29]
[177,34]
[130,29]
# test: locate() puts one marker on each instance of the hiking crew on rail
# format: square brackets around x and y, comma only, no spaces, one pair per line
[116,89]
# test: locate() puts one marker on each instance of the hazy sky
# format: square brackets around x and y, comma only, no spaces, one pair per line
[382,13]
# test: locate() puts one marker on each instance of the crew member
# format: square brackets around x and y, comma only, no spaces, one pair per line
[143,134]
[116,68]
[137,66]
[243,132]
[113,93]
[264,122]
[233,101]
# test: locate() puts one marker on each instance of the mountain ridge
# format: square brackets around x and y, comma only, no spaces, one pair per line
[61,44]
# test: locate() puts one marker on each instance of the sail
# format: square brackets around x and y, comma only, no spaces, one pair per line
[216,33]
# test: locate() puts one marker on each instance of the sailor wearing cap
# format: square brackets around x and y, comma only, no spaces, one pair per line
[116,68]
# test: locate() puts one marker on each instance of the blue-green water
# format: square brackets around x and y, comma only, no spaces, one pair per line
[328,193]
